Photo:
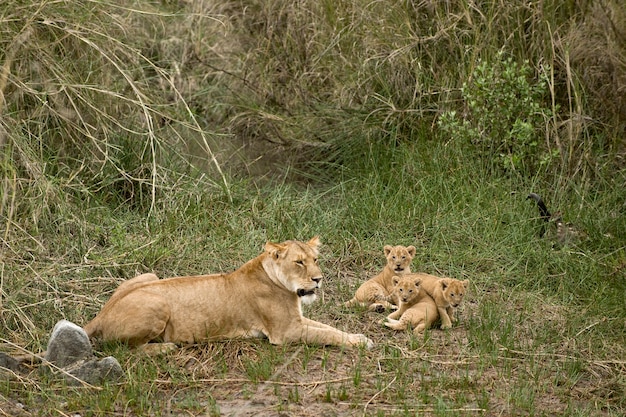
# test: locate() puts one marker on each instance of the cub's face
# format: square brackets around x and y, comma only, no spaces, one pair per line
[399,258]
[295,265]
[406,288]
[454,290]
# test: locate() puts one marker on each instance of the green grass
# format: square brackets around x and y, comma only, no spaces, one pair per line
[540,334]
[178,138]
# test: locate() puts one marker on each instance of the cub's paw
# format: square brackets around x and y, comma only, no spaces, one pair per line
[391,323]
[377,308]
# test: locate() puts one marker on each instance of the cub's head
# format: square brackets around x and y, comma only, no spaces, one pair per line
[453,290]
[407,288]
[293,264]
[399,258]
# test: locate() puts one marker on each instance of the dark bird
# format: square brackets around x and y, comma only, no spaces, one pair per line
[565,233]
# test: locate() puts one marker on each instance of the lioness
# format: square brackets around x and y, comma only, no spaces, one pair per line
[416,307]
[374,293]
[262,298]
[448,294]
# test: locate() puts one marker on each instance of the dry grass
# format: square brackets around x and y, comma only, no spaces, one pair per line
[513,353]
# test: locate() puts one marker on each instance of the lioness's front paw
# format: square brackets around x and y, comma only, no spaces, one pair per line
[446,326]
[361,339]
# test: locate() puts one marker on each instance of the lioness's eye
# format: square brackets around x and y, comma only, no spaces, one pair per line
[300,262]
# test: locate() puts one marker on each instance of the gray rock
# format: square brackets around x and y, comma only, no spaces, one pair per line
[95,372]
[10,363]
[69,349]
[68,344]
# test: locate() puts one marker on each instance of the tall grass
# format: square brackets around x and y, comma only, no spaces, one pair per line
[336,75]
[87,113]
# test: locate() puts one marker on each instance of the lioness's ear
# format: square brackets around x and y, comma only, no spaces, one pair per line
[411,250]
[314,242]
[387,249]
[274,249]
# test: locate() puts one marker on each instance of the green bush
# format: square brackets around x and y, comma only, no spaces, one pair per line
[504,114]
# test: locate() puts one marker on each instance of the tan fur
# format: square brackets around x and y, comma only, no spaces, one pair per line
[448,294]
[262,298]
[416,308]
[374,293]
[406,292]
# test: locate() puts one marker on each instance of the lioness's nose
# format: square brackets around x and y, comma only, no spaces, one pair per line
[316,279]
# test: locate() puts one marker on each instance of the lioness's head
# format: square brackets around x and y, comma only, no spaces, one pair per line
[399,258]
[293,264]
[406,288]
[453,290]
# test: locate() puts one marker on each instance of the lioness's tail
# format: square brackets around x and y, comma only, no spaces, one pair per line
[92,328]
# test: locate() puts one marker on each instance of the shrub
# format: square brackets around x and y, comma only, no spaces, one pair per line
[504,114]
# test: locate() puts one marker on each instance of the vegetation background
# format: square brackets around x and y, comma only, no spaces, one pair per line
[178,136]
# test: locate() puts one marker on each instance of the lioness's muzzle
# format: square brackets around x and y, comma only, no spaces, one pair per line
[302,292]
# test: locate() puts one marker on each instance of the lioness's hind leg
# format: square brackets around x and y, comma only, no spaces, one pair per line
[129,284]
[137,318]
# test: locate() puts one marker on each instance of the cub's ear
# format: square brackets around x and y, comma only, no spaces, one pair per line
[466,283]
[314,242]
[444,283]
[395,279]
[418,282]
[274,249]
[411,250]
[387,249]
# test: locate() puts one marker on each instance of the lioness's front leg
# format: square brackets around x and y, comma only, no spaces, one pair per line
[315,332]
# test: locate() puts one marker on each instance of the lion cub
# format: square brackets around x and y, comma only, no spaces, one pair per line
[374,293]
[416,307]
[448,294]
